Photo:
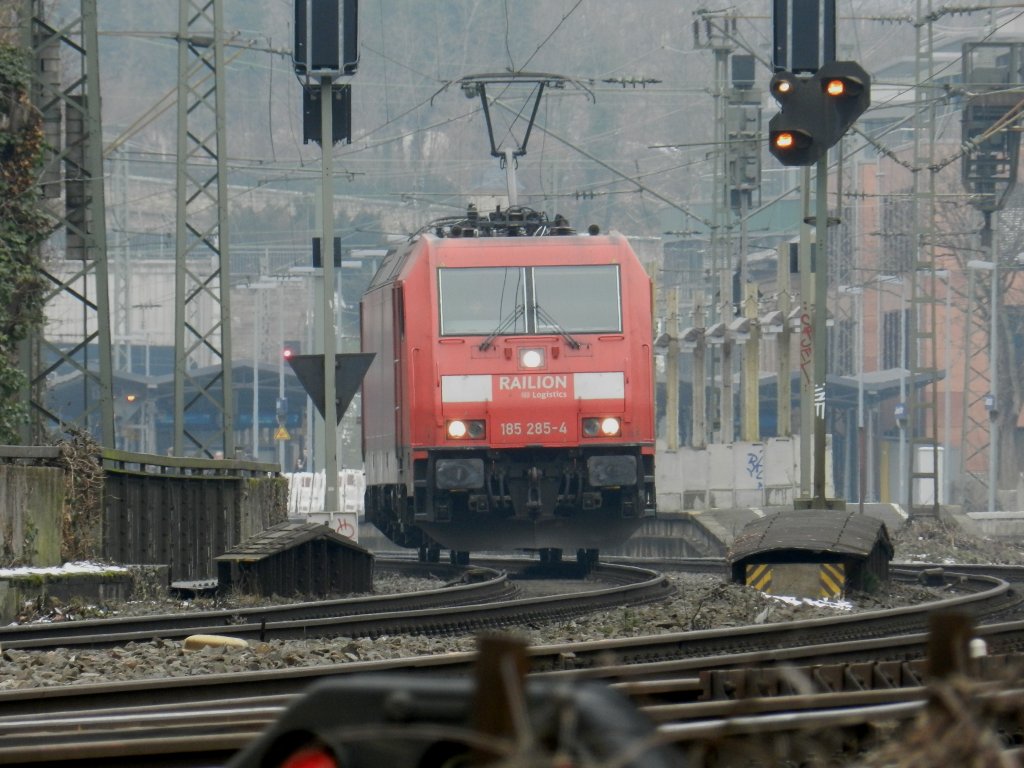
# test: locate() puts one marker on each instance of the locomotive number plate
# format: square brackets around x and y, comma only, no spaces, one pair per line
[532,428]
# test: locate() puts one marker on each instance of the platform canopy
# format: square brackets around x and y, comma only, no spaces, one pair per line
[878,386]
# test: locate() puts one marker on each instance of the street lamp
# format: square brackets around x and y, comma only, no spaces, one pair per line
[992,401]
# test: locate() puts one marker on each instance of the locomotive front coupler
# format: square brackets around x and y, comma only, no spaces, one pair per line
[478,503]
[533,500]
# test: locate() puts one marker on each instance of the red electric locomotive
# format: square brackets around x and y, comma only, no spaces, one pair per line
[510,402]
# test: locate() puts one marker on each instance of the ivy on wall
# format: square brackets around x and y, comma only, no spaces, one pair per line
[23,226]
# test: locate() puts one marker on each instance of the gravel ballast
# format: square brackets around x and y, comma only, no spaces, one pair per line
[699,602]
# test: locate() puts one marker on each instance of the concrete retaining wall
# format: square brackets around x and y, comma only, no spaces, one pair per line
[1006,526]
[31,506]
[733,475]
[26,590]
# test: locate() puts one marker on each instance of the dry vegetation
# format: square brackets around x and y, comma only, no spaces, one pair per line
[928,541]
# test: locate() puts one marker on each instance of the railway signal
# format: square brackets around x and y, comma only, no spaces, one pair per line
[816,110]
[847,89]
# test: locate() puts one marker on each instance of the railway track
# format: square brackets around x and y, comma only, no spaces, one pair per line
[666,675]
[476,598]
[463,587]
[210,733]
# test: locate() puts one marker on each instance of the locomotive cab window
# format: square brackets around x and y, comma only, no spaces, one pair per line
[476,301]
[530,300]
[580,299]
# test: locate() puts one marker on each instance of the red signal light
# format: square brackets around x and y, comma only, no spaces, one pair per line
[286,353]
[310,757]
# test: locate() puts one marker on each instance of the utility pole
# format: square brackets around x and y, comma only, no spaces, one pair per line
[329,340]
[751,425]
[672,372]
[993,357]
[820,99]
[743,152]
[806,260]
[715,31]
[698,427]
[819,499]
[784,381]
[325,50]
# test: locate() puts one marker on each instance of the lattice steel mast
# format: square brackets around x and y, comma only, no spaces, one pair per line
[74,170]
[202,339]
[989,166]
[923,397]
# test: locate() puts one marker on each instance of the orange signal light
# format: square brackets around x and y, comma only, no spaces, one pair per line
[784,86]
[835,87]
[785,140]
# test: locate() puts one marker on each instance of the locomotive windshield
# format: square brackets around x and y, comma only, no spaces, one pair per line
[525,300]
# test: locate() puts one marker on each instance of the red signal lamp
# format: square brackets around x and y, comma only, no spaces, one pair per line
[310,757]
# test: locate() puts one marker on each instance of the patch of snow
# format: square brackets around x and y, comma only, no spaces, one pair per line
[62,570]
[839,605]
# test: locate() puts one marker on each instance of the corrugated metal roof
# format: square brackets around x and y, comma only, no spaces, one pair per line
[812,530]
[281,537]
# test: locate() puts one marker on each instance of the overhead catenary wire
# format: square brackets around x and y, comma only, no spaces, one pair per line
[366,142]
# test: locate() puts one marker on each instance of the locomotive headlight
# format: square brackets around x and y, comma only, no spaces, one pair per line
[531,358]
[471,429]
[608,426]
